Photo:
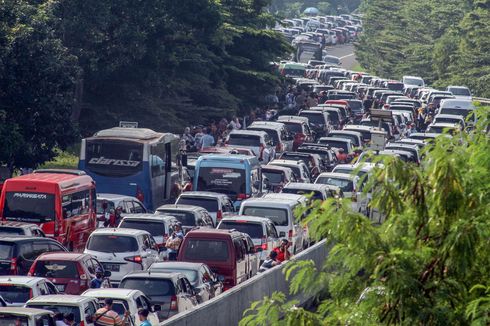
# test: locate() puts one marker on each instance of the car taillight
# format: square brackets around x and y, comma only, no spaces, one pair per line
[241,196]
[134,259]
[264,243]
[173,303]
[290,234]
[13,266]
[30,293]
[82,323]
[219,215]
[299,136]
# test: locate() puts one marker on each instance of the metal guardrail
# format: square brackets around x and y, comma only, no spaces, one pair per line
[482,100]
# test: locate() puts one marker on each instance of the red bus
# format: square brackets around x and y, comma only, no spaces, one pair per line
[62,202]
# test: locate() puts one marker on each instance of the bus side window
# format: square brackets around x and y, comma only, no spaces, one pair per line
[157,159]
[76,204]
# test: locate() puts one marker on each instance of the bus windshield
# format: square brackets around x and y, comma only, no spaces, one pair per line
[223,180]
[29,207]
[113,157]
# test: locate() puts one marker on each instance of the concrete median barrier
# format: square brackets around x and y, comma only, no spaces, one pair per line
[227,309]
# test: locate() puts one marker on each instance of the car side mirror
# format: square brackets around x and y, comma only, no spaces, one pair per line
[157,307]
[257,184]
[107,273]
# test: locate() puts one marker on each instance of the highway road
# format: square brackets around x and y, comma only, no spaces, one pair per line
[346,54]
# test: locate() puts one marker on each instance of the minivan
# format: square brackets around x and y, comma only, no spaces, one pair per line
[17,253]
[224,251]
[281,211]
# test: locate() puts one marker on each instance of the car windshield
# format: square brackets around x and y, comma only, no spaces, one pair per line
[155,228]
[56,269]
[413,81]
[462,112]
[356,106]
[210,204]
[273,177]
[100,206]
[244,140]
[15,293]
[313,193]
[64,309]
[153,288]
[273,134]
[223,180]
[333,116]
[294,72]
[316,118]
[336,144]
[11,231]
[395,86]
[277,215]
[185,218]
[254,230]
[205,250]
[29,207]
[460,91]
[8,319]
[189,273]
[345,184]
[352,138]
[112,243]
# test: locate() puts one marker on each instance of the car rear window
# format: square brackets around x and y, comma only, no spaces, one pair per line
[11,231]
[210,204]
[13,319]
[316,118]
[153,227]
[6,250]
[112,243]
[273,177]
[100,204]
[277,215]
[244,140]
[254,230]
[56,269]
[344,184]
[314,194]
[189,273]
[205,250]
[154,288]
[187,219]
[75,310]
[14,293]
[293,127]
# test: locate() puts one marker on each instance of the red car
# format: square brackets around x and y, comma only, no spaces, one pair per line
[71,272]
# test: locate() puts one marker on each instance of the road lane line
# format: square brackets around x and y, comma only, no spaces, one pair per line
[346,56]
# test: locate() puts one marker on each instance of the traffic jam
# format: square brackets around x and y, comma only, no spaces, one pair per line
[152,224]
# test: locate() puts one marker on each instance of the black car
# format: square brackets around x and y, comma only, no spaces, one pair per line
[17,253]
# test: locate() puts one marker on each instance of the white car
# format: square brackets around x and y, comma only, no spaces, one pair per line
[126,299]
[460,92]
[128,204]
[17,290]
[26,316]
[215,203]
[258,141]
[83,308]
[349,185]
[411,81]
[280,209]
[122,251]
[261,230]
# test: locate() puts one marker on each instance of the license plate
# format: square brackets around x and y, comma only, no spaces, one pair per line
[111,267]
[60,287]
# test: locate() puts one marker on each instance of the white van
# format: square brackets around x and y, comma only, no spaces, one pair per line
[279,208]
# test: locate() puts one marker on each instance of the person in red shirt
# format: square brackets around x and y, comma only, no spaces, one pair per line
[282,251]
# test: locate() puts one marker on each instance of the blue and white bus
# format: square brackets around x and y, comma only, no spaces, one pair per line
[131,161]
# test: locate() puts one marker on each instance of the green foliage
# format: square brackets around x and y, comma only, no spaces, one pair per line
[63,160]
[37,78]
[445,42]
[425,264]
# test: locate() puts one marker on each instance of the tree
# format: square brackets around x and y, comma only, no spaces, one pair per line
[37,78]
[424,265]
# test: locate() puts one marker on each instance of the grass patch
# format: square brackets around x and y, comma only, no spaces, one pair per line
[358,67]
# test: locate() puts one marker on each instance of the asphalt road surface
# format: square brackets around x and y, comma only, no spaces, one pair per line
[346,54]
